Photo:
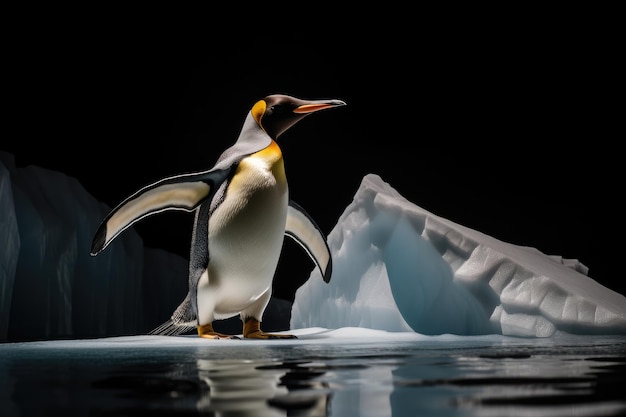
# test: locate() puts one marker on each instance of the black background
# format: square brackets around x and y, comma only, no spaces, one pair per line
[503,124]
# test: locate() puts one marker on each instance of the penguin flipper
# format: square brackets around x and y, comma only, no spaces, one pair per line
[182,192]
[301,228]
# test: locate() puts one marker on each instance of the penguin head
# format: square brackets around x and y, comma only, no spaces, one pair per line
[278,112]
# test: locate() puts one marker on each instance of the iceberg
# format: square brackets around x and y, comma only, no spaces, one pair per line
[10,244]
[398,267]
[50,287]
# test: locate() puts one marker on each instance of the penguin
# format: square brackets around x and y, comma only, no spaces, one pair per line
[242,211]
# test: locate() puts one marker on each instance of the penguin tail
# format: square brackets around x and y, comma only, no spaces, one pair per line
[183,321]
[171,328]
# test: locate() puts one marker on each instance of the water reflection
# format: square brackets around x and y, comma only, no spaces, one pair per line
[309,380]
[258,388]
[406,386]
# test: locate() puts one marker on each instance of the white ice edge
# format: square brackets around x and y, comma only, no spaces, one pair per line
[353,336]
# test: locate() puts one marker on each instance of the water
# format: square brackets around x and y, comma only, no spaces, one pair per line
[348,372]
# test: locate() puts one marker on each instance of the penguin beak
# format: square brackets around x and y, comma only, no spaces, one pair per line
[314,106]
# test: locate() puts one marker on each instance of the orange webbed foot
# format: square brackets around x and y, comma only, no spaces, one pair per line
[206,332]
[252,330]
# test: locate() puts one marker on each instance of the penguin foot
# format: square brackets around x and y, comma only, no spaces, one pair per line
[206,331]
[252,330]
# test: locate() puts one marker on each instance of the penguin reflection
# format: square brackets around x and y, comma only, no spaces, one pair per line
[254,388]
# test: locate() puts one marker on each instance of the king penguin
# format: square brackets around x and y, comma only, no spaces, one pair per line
[242,213]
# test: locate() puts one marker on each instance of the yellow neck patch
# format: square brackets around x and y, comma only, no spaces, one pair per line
[273,157]
[258,110]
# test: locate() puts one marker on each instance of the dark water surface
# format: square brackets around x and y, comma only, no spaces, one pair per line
[341,373]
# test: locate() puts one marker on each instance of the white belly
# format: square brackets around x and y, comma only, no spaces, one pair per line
[246,235]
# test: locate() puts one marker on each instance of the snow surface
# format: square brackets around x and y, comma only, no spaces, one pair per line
[398,267]
[309,338]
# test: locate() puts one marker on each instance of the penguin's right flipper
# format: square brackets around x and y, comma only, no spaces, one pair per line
[182,192]
[301,228]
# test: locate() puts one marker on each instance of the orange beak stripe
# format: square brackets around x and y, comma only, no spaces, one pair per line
[310,108]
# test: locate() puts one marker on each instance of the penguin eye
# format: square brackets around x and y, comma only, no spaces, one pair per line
[277,109]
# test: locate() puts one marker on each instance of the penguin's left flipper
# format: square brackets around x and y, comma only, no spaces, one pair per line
[182,192]
[301,228]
